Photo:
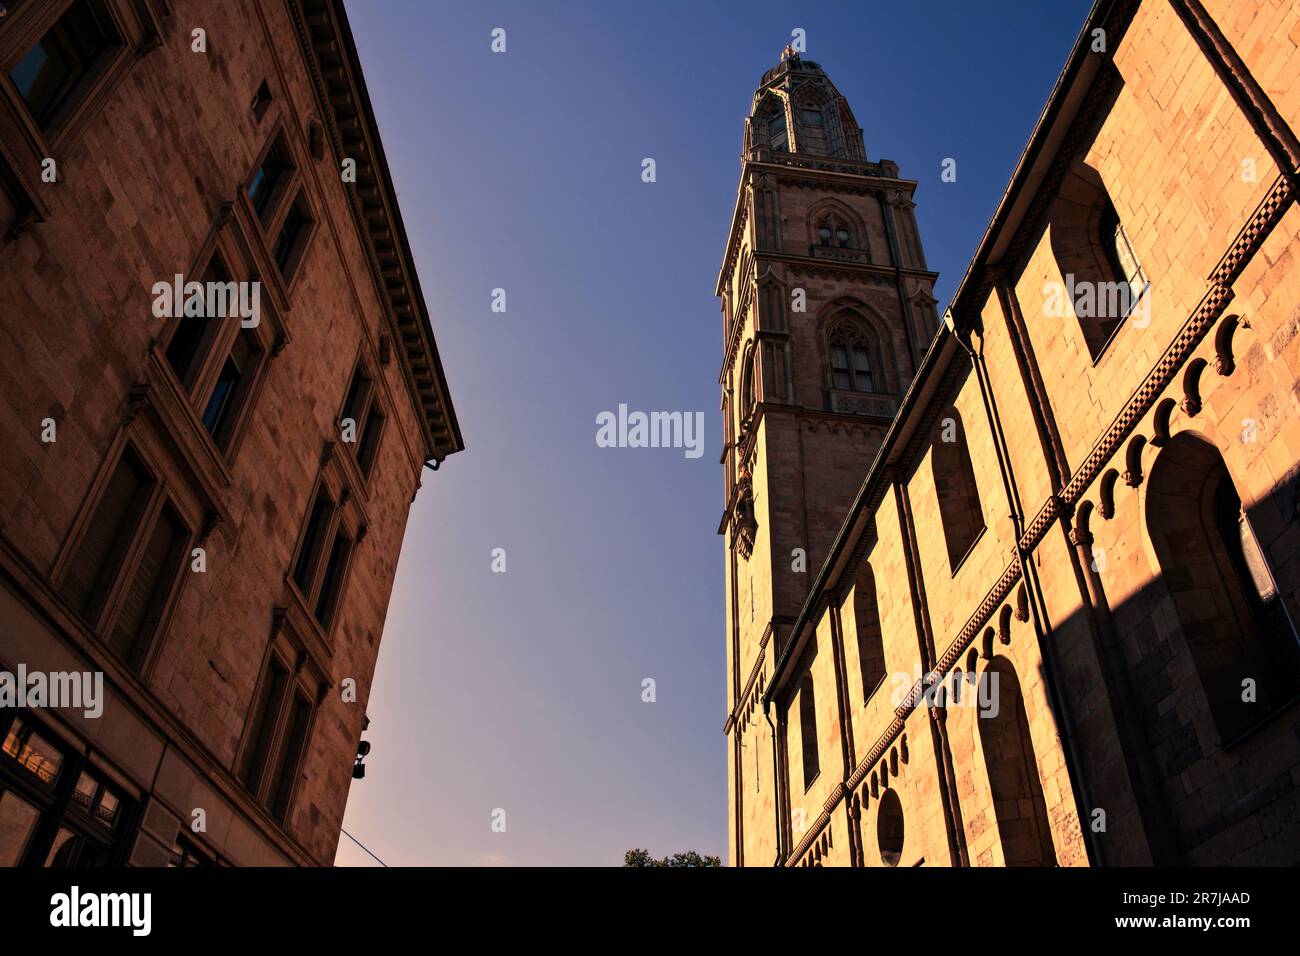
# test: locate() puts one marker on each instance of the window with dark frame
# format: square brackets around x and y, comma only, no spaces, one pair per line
[128,510]
[321,565]
[269,179]
[277,737]
[808,730]
[289,239]
[362,408]
[49,74]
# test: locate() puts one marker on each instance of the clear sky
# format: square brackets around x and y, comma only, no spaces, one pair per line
[522,691]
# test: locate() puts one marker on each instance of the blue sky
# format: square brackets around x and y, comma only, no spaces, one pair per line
[522,691]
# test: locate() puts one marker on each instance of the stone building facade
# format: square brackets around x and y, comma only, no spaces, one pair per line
[1020,587]
[202,508]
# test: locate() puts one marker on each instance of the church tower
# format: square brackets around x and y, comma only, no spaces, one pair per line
[827,308]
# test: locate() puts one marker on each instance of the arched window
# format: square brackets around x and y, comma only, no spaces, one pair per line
[812,129]
[866,615]
[808,730]
[955,486]
[1222,587]
[1018,803]
[1103,280]
[850,354]
[777,135]
[747,385]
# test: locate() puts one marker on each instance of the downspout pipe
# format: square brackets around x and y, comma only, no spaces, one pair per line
[1028,574]
[776,785]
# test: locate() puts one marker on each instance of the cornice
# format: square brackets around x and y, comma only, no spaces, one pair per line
[336,78]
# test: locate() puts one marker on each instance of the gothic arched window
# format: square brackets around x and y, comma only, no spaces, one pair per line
[850,356]
[747,386]
[777,135]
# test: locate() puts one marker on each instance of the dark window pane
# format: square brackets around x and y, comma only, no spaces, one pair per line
[49,72]
[312,543]
[369,443]
[812,117]
[220,413]
[143,602]
[290,753]
[333,578]
[100,553]
[271,174]
[194,333]
[259,743]
[294,222]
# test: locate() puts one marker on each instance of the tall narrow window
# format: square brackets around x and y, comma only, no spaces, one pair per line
[126,568]
[276,739]
[866,614]
[269,178]
[777,136]
[230,390]
[289,239]
[155,573]
[362,420]
[808,730]
[327,599]
[262,731]
[955,486]
[194,334]
[322,512]
[49,74]
[108,536]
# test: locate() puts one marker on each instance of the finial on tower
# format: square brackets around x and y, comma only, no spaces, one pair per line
[789,53]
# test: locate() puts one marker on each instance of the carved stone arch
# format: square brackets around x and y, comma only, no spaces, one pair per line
[1107,493]
[1191,403]
[986,644]
[1004,624]
[1224,361]
[1160,421]
[1133,461]
[836,213]
[1022,604]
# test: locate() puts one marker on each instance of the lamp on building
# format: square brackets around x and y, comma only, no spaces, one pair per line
[359,768]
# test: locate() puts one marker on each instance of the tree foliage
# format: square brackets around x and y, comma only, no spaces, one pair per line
[640,857]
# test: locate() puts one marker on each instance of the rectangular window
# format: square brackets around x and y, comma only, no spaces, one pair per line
[145,597]
[269,179]
[265,716]
[368,443]
[286,772]
[277,738]
[808,730]
[840,367]
[194,334]
[332,580]
[48,75]
[304,570]
[103,548]
[289,239]
[232,387]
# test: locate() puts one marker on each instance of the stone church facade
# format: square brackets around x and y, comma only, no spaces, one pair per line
[1019,586]
[202,511]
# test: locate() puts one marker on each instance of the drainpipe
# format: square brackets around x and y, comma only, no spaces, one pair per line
[776,785]
[1028,574]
